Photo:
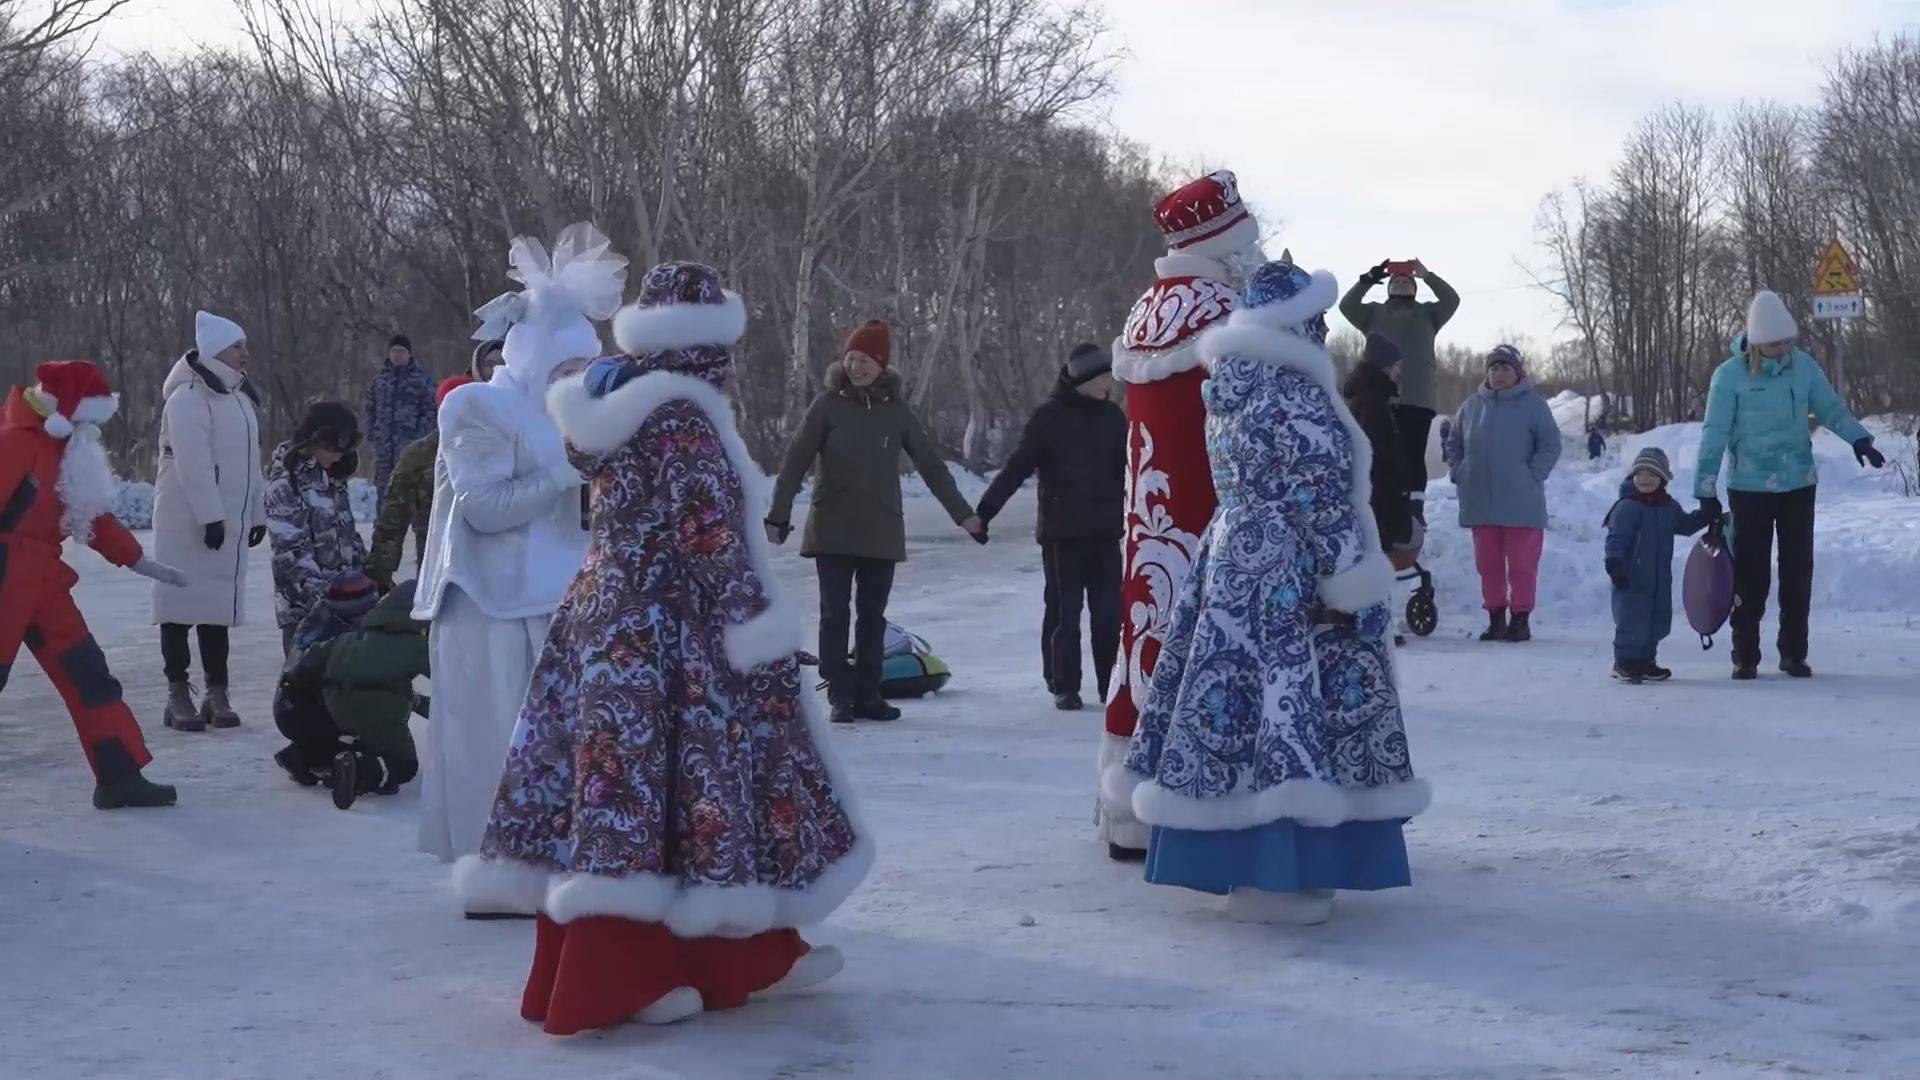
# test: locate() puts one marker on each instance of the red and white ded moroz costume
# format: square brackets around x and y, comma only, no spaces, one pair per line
[1213,244]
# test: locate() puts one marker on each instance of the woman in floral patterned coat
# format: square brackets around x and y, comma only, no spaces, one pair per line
[1270,759]
[669,807]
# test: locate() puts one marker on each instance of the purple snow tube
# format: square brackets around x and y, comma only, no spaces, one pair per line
[1707,590]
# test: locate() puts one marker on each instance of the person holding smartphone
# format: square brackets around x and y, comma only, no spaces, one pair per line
[1413,325]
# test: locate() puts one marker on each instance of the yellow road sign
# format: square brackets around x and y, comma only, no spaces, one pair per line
[1836,273]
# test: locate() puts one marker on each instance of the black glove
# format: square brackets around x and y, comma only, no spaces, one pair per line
[1376,275]
[348,464]
[255,535]
[1710,506]
[216,535]
[1617,571]
[1865,454]
[982,538]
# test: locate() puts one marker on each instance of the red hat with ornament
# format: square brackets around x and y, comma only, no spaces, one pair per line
[447,386]
[1206,217]
[71,392]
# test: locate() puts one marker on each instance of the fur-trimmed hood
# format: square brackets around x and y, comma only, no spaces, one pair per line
[888,387]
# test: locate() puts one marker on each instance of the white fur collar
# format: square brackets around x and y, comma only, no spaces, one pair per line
[1138,366]
[604,424]
[642,330]
[1187,264]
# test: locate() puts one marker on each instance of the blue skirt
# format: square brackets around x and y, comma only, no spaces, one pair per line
[1281,857]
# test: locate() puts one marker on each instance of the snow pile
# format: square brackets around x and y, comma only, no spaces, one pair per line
[1866,536]
[133,503]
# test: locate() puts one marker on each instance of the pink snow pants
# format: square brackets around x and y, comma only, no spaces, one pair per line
[1508,558]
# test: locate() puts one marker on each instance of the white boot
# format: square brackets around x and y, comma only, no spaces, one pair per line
[1307,908]
[821,963]
[680,1003]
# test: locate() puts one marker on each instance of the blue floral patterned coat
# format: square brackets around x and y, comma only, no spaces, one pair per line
[1274,697]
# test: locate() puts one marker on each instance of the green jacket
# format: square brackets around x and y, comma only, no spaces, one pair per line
[1410,324]
[852,439]
[366,675]
[406,506]
[1761,418]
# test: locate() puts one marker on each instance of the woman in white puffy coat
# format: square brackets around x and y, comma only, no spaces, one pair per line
[209,506]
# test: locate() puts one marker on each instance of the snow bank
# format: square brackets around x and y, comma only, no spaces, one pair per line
[1867,534]
[133,503]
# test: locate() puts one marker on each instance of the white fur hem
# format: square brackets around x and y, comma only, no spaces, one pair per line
[1314,803]
[1366,583]
[774,634]
[1137,366]
[688,910]
[643,330]
[1116,783]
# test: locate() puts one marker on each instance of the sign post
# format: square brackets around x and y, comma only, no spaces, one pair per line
[1836,296]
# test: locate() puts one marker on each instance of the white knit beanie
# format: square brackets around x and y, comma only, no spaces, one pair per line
[1768,320]
[213,335]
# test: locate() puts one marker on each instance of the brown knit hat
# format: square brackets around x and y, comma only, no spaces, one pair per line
[874,339]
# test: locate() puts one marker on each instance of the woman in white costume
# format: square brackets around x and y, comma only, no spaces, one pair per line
[506,533]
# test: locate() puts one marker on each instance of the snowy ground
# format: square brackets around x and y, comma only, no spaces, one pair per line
[1696,879]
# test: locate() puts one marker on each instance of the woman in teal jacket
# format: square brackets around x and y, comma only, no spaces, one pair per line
[1757,409]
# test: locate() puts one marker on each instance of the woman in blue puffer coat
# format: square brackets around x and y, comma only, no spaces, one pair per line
[1757,410]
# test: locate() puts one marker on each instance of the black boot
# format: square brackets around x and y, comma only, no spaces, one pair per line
[1517,628]
[344,780]
[875,709]
[1746,670]
[118,784]
[1796,668]
[1068,702]
[1656,673]
[290,760]
[1496,626]
[1629,671]
[842,711]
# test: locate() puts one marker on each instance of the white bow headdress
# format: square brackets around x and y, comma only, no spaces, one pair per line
[582,278]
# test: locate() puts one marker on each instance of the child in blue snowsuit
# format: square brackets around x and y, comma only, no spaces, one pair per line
[1640,532]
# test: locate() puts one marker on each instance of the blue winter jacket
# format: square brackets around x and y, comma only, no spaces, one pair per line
[1640,541]
[1502,448]
[1761,418]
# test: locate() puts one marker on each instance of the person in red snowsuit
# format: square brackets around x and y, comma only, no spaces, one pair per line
[55,483]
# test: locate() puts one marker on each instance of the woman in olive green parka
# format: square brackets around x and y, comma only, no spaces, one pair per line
[852,439]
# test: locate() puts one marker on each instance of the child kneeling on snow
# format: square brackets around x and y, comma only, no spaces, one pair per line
[1640,532]
[363,678]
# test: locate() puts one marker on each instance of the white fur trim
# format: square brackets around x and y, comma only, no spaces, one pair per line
[499,886]
[96,410]
[662,327]
[774,634]
[1190,264]
[1137,366]
[1319,296]
[1116,783]
[1314,803]
[1241,234]
[57,426]
[1366,583]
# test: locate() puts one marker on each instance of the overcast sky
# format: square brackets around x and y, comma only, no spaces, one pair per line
[1390,129]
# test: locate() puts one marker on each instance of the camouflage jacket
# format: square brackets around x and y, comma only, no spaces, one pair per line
[314,537]
[405,507]
[397,409]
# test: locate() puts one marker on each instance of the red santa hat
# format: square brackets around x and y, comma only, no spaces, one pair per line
[75,399]
[1206,217]
[70,392]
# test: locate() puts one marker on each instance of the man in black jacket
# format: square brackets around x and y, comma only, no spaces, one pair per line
[1371,392]
[1077,441]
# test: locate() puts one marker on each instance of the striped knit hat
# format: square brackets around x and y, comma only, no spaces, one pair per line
[1654,460]
[352,593]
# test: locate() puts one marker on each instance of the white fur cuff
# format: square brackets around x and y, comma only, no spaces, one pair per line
[1360,587]
[1314,803]
[499,885]
[774,634]
[642,330]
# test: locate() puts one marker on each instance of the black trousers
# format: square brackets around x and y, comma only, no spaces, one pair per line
[1758,516]
[853,595]
[301,715]
[178,657]
[1080,572]
[1415,423]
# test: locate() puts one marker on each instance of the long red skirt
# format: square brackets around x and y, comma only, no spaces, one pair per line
[601,970]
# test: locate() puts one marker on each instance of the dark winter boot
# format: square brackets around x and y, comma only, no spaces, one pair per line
[1656,673]
[344,780]
[1496,626]
[182,713]
[1796,668]
[1629,671]
[216,710]
[842,711]
[289,759]
[1745,670]
[875,709]
[1517,628]
[119,784]
[1068,702]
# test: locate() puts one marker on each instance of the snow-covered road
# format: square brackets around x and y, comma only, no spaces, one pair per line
[1695,879]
